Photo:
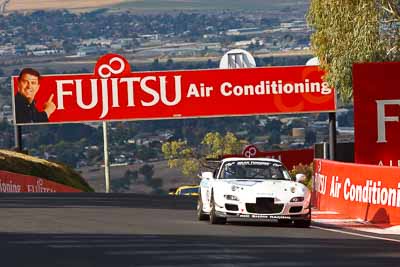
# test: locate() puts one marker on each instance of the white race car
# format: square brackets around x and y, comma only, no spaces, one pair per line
[258,189]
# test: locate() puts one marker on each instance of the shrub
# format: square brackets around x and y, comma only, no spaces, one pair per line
[305,169]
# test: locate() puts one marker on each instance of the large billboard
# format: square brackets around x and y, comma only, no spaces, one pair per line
[376,88]
[113,92]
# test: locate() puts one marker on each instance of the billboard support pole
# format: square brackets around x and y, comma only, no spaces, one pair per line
[18,138]
[325,148]
[332,135]
[106,160]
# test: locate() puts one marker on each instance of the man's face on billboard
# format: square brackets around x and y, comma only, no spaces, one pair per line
[28,86]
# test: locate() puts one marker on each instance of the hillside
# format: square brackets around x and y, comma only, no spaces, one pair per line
[168,5]
[30,5]
[20,163]
[153,5]
[168,178]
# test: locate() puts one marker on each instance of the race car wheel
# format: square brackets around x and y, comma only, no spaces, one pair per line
[201,216]
[284,221]
[302,223]
[214,219]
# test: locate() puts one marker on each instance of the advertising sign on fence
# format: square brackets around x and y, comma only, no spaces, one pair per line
[367,192]
[376,89]
[113,92]
[16,183]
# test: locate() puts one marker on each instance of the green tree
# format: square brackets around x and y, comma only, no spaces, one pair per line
[350,31]
[156,65]
[169,64]
[15,72]
[180,155]
[214,145]
[131,175]
[211,64]
[156,184]
[273,125]
[305,169]
[123,184]
[147,170]
[275,138]
[69,46]
[145,153]
[4,125]
[217,145]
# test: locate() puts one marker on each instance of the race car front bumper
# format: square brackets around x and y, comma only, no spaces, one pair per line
[263,217]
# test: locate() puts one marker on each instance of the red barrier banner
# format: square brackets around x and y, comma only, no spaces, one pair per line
[113,92]
[16,183]
[376,90]
[367,192]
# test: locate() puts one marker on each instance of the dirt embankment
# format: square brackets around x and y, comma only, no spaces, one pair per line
[24,164]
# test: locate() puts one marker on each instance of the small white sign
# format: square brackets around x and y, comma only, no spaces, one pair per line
[236,59]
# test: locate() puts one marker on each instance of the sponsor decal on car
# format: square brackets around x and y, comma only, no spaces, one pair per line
[262,216]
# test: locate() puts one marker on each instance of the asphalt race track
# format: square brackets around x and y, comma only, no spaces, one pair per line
[135,230]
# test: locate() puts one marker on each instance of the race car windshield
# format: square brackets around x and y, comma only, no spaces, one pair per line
[254,170]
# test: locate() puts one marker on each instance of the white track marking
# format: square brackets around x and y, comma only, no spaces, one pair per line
[356,234]
[320,212]
[339,221]
[393,230]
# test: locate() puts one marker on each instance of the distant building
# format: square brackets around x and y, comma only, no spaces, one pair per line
[96,42]
[20,51]
[242,44]
[148,37]
[116,46]
[7,113]
[46,52]
[33,47]
[299,132]
[90,50]
[7,49]
[243,31]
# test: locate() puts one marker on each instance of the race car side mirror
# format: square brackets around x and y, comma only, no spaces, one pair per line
[207,175]
[300,178]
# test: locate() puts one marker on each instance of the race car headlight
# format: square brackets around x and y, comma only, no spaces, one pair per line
[231,197]
[297,199]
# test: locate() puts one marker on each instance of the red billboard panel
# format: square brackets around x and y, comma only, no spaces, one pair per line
[376,89]
[113,92]
[367,192]
[16,183]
